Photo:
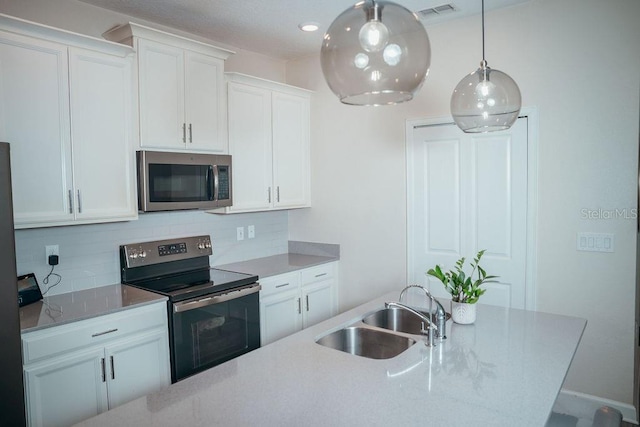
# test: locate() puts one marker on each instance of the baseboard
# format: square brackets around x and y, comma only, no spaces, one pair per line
[580,403]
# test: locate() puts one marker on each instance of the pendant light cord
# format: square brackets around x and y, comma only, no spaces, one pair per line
[483,58]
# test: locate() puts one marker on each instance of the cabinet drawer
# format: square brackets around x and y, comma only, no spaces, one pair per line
[318,273]
[99,330]
[282,282]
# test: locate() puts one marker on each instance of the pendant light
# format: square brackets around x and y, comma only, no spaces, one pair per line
[375,53]
[486,100]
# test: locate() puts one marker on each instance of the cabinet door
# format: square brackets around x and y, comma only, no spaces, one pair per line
[291,175]
[250,146]
[34,119]
[204,99]
[161,92]
[66,390]
[318,302]
[280,315]
[102,131]
[137,367]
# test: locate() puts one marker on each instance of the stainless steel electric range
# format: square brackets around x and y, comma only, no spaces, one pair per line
[214,315]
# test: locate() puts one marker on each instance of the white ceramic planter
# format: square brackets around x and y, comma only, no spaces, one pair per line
[463,313]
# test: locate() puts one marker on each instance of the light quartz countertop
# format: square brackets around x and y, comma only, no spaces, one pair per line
[277,264]
[73,306]
[504,370]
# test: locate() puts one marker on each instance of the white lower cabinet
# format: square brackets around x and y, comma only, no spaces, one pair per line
[292,301]
[78,370]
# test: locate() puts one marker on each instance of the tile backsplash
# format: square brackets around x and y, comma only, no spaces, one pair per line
[89,253]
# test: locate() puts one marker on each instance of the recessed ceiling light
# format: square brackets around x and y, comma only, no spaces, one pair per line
[309,26]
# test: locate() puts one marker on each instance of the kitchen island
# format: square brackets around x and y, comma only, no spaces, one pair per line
[504,370]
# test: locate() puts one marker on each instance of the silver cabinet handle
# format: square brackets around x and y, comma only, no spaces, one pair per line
[104,333]
[299,306]
[113,372]
[278,194]
[79,203]
[307,302]
[104,374]
[70,202]
[321,274]
[269,194]
[282,285]
[190,134]
[184,132]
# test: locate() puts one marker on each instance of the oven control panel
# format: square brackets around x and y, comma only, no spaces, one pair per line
[147,253]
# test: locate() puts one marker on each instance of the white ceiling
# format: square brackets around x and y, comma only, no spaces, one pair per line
[269,26]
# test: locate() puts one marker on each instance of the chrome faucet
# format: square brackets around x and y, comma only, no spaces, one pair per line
[427,319]
[441,316]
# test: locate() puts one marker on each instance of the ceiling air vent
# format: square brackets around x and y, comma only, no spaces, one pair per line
[437,11]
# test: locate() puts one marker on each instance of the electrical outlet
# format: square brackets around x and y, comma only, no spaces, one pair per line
[251,231]
[240,233]
[51,250]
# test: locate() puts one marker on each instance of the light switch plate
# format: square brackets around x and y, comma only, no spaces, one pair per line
[595,242]
[240,233]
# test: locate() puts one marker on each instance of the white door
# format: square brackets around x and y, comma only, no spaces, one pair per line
[317,302]
[67,390]
[468,192]
[161,91]
[250,146]
[280,315]
[137,367]
[102,133]
[203,90]
[34,119]
[290,150]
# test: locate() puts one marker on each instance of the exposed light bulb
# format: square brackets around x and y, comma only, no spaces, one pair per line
[392,54]
[373,36]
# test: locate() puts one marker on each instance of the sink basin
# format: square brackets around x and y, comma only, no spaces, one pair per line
[397,319]
[367,342]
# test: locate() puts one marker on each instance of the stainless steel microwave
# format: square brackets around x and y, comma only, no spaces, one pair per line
[177,181]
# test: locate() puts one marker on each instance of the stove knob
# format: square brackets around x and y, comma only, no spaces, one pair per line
[200,246]
[143,254]
[133,255]
[208,245]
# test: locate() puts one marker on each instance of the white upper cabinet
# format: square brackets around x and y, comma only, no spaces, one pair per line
[67,111]
[269,139]
[180,90]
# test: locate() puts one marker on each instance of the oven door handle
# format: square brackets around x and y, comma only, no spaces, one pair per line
[180,307]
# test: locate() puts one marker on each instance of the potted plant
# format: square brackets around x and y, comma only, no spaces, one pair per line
[464,290]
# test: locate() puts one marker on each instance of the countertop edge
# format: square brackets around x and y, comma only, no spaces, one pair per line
[32,312]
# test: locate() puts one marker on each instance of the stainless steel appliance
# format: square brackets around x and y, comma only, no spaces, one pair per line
[214,315]
[12,410]
[177,181]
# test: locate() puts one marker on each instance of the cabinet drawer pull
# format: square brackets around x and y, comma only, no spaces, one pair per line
[79,202]
[282,285]
[321,274]
[104,374]
[299,306]
[70,202]
[307,302]
[184,132]
[269,195]
[278,194]
[190,134]
[104,333]
[113,372]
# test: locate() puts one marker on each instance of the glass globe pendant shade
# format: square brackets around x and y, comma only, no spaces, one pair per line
[375,53]
[486,100]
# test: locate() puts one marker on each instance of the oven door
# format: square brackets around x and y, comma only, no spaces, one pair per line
[212,329]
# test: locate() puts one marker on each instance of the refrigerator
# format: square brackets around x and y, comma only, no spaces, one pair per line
[12,408]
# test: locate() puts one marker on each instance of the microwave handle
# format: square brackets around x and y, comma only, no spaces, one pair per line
[211,182]
[215,182]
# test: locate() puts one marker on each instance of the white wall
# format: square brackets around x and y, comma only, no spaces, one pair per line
[577,61]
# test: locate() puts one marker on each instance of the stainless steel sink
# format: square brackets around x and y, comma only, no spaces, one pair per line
[366,342]
[398,320]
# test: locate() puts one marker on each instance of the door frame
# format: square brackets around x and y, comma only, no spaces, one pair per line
[531,113]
